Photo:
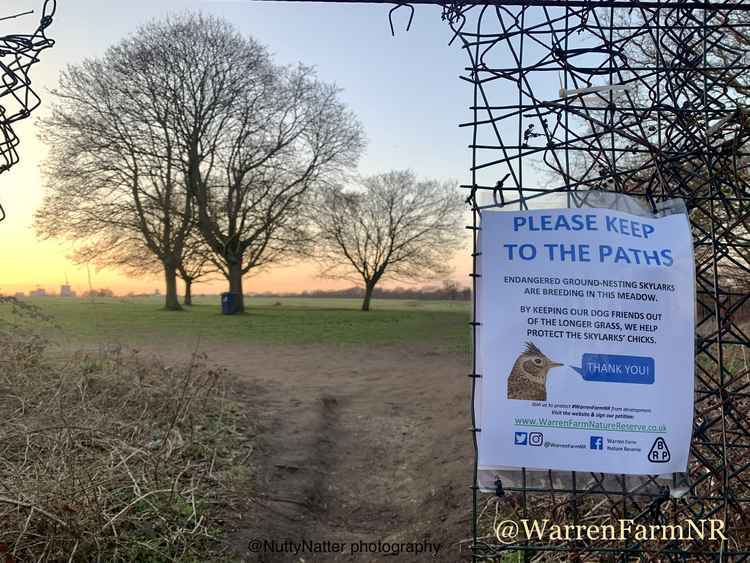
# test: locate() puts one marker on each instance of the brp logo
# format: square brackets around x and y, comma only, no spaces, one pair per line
[659,452]
[536,438]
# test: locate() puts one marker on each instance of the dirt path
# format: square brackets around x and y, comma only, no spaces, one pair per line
[357,445]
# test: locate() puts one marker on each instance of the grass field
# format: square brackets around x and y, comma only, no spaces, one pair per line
[282,321]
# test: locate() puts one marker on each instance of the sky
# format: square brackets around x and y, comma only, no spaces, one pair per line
[404,89]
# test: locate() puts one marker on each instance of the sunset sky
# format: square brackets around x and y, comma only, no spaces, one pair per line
[405,90]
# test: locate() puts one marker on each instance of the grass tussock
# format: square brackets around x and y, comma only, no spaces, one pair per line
[112,457]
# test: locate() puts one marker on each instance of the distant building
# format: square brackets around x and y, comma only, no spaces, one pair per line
[38,292]
[66,291]
[20,295]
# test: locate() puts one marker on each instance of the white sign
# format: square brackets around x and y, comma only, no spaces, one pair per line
[585,341]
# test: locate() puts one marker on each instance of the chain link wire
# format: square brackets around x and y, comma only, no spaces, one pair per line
[18,53]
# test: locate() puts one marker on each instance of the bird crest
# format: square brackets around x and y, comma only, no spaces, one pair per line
[532,349]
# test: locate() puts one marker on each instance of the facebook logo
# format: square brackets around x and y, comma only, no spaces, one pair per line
[596,443]
[521,438]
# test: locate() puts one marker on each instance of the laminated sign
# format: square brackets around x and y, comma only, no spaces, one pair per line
[585,341]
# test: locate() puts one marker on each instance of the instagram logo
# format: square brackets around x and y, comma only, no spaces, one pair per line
[536,438]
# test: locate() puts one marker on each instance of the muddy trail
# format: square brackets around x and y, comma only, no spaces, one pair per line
[355,446]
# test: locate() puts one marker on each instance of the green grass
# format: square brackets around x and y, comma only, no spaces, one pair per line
[271,320]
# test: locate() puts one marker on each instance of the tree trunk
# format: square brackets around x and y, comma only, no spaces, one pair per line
[171,301]
[188,300]
[369,287]
[235,284]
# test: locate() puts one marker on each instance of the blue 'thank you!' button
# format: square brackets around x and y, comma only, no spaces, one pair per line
[616,369]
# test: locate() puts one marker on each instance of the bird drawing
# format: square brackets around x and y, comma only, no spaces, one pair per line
[528,378]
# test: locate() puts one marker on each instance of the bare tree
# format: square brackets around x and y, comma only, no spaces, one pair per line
[197,264]
[255,137]
[394,226]
[114,176]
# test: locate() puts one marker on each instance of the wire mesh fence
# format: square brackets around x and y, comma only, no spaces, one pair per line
[646,99]
[18,53]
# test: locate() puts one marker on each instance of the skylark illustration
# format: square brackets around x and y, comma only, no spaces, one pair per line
[528,378]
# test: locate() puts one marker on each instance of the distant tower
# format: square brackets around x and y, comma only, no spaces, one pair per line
[66,290]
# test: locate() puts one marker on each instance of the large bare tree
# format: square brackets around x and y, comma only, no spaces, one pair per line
[393,226]
[113,176]
[255,137]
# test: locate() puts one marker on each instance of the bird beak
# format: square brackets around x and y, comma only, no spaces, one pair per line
[555,365]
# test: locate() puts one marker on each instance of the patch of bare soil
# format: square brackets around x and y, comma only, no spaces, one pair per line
[357,445]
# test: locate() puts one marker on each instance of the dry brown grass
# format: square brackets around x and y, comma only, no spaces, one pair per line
[111,457]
